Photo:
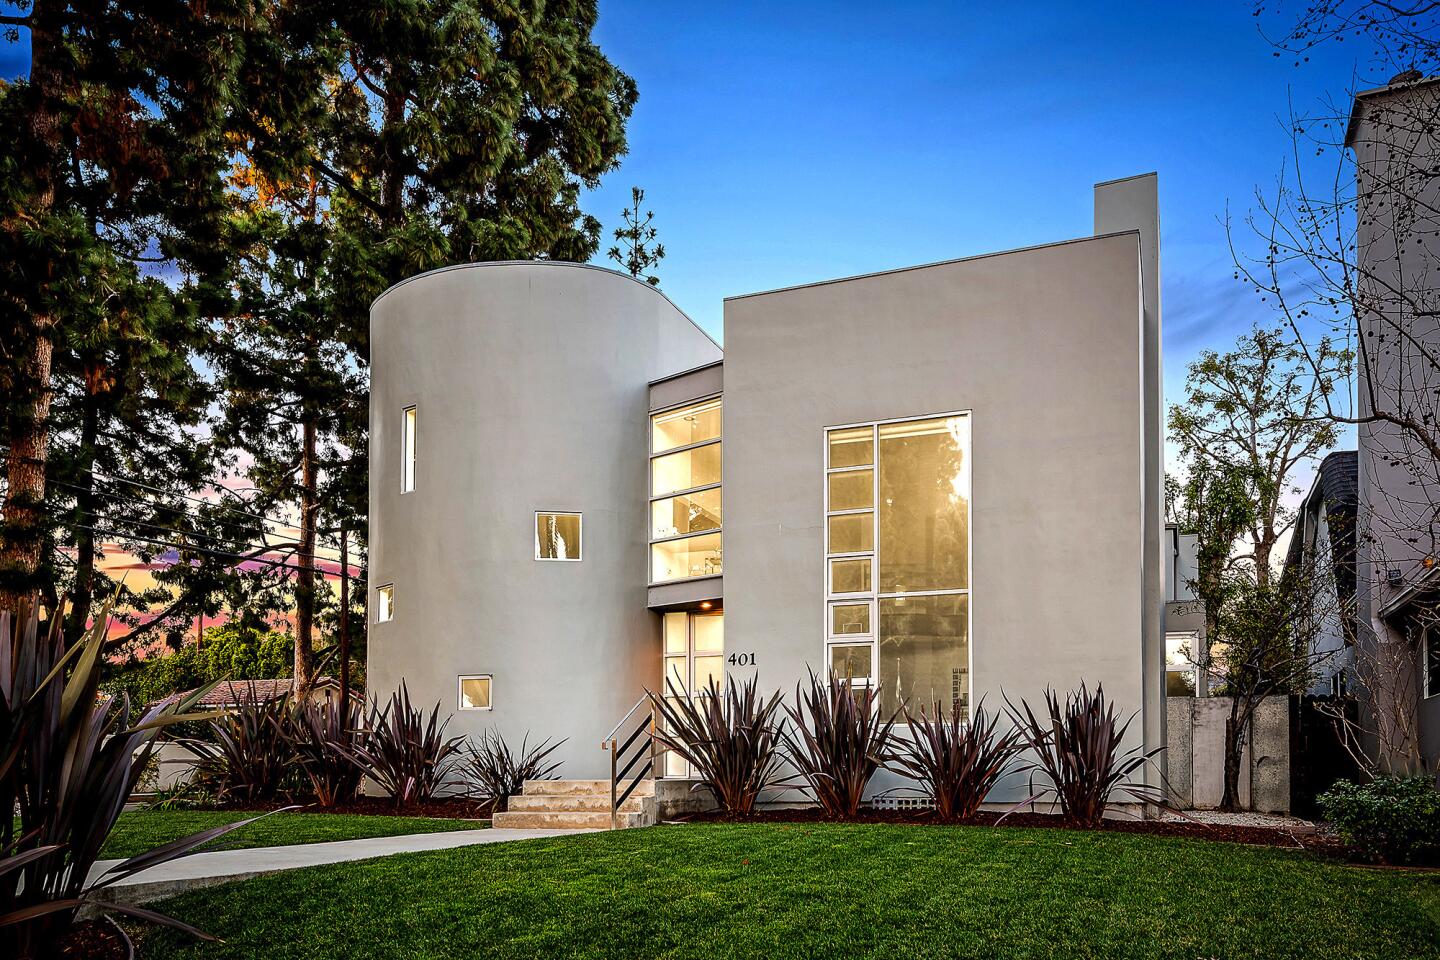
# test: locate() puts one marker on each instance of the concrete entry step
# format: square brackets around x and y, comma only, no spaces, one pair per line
[573,787]
[578,803]
[565,819]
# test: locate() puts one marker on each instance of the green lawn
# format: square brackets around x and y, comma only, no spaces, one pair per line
[713,891]
[143,830]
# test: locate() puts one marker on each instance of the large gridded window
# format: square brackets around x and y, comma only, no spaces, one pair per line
[897,540]
[685,499]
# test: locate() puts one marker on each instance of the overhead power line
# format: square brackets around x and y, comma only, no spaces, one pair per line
[236,557]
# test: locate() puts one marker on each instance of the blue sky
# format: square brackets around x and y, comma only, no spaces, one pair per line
[784,143]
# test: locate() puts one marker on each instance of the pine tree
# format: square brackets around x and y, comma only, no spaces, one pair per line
[637,256]
[450,132]
[110,172]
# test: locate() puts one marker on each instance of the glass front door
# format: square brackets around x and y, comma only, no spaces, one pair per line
[694,655]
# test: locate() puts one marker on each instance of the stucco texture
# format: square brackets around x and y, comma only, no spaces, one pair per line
[1044,348]
[530,382]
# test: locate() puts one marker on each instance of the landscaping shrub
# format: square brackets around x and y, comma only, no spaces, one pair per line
[1076,746]
[324,738]
[957,762]
[247,755]
[1391,819]
[69,760]
[408,756]
[839,741]
[495,773]
[731,739]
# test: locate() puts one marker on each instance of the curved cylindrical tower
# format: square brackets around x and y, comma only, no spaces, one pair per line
[506,396]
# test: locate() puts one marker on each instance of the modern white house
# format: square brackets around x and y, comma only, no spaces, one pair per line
[944,479]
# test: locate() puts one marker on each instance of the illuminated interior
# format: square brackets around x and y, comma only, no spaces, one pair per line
[898,548]
[685,497]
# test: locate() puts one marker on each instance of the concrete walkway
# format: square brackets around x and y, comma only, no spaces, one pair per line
[223,866]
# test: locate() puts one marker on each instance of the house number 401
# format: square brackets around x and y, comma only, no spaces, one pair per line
[742,660]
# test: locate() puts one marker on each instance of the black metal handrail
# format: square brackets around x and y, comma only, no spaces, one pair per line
[639,745]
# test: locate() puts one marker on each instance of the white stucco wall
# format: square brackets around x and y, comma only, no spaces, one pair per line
[530,385]
[1045,348]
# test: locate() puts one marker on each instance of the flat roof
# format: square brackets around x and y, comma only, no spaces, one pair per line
[944,263]
[1378,91]
[686,373]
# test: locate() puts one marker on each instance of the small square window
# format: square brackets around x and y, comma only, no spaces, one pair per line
[475,692]
[557,536]
[385,603]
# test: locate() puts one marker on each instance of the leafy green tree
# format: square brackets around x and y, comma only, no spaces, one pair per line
[1268,631]
[637,255]
[1261,407]
[1215,505]
[245,649]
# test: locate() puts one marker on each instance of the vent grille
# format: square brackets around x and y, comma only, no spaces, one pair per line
[902,803]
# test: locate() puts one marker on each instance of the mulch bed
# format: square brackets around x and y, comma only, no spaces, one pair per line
[443,808]
[1259,836]
[93,940]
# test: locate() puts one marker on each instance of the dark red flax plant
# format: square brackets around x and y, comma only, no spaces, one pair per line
[957,760]
[837,740]
[1076,746]
[731,737]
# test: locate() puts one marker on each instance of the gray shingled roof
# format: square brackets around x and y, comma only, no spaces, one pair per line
[230,693]
[1337,487]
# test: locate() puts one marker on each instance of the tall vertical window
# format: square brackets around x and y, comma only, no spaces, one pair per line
[385,603]
[685,499]
[897,543]
[407,451]
[1430,660]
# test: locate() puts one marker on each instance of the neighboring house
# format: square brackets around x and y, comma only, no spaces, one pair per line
[944,479]
[1184,615]
[175,765]
[1322,543]
[234,693]
[1393,133]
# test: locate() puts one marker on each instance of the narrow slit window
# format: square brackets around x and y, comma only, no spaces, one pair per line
[385,603]
[407,452]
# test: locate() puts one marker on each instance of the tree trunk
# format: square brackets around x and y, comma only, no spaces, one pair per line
[23,538]
[82,593]
[305,577]
[344,618]
[22,535]
[1235,729]
[1263,548]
